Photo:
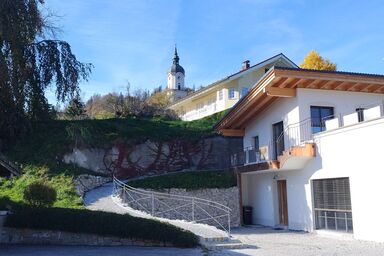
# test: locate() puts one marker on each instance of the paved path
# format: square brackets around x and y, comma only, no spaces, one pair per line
[266,241]
[101,199]
[28,250]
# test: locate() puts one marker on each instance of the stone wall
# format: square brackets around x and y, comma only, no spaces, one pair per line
[128,159]
[48,237]
[86,182]
[163,205]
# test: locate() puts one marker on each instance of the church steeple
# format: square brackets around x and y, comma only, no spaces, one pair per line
[175,57]
[176,75]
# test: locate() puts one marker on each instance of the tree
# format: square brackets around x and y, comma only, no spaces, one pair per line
[75,109]
[313,60]
[159,99]
[30,63]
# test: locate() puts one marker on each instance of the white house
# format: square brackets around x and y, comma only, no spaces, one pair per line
[313,145]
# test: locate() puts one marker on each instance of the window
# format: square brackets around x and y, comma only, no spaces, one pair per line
[231,93]
[318,117]
[360,114]
[256,143]
[266,70]
[221,95]
[178,86]
[244,91]
[332,203]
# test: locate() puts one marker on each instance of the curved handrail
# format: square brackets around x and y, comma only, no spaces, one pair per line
[194,202]
[145,192]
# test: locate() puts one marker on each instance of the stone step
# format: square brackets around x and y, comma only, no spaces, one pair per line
[230,244]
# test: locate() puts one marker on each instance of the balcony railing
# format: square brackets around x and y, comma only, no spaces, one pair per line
[198,113]
[363,113]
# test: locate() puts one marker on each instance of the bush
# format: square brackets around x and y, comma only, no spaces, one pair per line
[188,180]
[100,223]
[39,194]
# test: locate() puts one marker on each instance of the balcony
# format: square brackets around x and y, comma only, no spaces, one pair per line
[291,150]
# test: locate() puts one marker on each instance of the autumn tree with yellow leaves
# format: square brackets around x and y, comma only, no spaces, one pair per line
[313,60]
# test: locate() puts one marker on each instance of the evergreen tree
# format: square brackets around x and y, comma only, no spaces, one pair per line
[75,109]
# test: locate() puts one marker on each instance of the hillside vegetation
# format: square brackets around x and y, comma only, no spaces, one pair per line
[40,153]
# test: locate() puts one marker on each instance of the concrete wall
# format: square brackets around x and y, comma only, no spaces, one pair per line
[150,157]
[49,237]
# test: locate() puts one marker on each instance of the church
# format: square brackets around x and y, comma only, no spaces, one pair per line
[176,76]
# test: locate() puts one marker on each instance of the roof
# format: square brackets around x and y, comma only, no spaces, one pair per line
[283,82]
[235,75]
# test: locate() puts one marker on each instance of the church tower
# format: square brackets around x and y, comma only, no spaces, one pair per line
[175,85]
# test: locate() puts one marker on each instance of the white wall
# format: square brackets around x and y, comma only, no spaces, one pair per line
[342,102]
[355,152]
[261,194]
[283,109]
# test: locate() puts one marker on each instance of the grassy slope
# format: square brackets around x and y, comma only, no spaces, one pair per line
[188,180]
[41,151]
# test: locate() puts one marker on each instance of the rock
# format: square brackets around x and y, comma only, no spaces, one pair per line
[86,182]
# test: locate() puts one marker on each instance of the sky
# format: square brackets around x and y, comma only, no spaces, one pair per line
[132,41]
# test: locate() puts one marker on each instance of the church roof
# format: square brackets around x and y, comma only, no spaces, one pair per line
[175,68]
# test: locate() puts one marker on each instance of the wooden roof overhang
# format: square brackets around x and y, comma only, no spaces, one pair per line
[283,82]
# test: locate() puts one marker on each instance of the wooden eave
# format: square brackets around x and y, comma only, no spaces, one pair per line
[283,82]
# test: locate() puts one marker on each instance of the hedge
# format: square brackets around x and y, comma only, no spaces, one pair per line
[100,223]
[188,180]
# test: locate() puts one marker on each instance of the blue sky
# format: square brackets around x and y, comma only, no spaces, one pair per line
[133,40]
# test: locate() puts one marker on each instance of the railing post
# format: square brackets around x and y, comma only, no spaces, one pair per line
[229,224]
[193,209]
[153,204]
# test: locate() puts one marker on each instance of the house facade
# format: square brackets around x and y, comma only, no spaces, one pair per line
[225,93]
[312,149]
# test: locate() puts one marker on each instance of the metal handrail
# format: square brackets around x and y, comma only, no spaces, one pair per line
[154,197]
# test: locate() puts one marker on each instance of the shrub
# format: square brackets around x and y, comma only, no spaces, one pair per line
[188,180]
[100,223]
[39,194]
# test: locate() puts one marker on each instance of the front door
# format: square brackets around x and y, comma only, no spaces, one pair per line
[283,202]
[278,138]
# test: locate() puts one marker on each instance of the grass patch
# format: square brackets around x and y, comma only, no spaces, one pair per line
[188,180]
[100,223]
[13,188]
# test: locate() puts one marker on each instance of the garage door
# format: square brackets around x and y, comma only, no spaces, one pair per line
[332,203]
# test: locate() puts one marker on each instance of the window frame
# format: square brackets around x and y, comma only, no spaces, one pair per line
[231,91]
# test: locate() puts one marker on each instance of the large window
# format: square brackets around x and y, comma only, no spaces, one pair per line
[318,116]
[332,203]
[231,93]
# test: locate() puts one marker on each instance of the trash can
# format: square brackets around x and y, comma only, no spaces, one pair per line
[247,215]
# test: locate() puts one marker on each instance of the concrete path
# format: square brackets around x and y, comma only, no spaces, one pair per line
[26,250]
[265,241]
[101,199]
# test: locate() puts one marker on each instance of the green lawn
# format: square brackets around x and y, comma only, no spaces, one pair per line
[188,180]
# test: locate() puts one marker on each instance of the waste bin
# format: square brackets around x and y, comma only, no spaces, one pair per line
[247,215]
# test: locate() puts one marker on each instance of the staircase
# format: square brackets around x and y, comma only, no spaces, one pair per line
[10,166]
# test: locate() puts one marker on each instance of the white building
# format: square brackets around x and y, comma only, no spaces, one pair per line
[313,142]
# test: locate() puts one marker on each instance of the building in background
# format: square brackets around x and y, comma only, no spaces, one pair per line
[220,95]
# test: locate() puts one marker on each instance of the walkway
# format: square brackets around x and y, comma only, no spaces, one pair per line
[101,199]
